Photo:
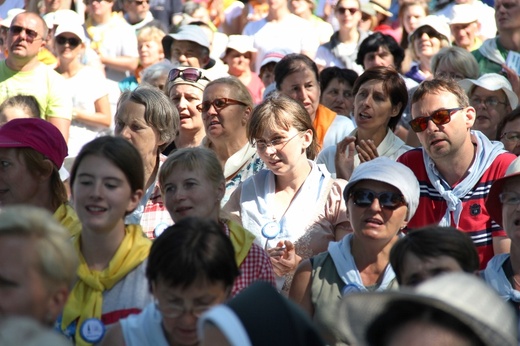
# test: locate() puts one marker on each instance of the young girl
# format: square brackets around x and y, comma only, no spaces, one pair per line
[107,183]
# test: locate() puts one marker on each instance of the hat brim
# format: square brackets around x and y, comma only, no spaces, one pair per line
[359,310]
[378,8]
[468,84]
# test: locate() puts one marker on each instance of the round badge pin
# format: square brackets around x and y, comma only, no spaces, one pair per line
[92,330]
[271,230]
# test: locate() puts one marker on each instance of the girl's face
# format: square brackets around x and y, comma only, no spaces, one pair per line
[191,193]
[102,195]
[150,52]
[181,307]
[68,46]
[283,151]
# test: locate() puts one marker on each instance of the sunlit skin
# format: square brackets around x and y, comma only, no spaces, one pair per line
[416,269]
[426,45]
[449,141]
[338,97]
[17,44]
[230,121]
[150,52]
[191,193]
[511,213]
[185,98]
[238,63]
[23,289]
[507,13]
[488,118]
[412,16]
[65,51]
[373,110]
[188,53]
[348,21]
[511,146]
[465,34]
[304,87]
[182,330]
[376,223]
[381,57]
[290,157]
[19,185]
[102,195]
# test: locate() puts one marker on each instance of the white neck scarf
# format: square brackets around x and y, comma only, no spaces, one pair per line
[496,277]
[486,153]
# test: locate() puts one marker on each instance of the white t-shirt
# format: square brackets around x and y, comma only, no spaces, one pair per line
[291,33]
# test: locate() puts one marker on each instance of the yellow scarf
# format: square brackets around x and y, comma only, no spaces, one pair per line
[68,218]
[241,239]
[86,299]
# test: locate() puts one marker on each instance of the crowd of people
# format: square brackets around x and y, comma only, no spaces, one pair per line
[282,172]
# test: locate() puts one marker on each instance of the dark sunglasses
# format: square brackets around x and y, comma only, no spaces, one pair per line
[187,74]
[30,34]
[140,2]
[389,200]
[439,117]
[343,10]
[72,41]
[428,30]
[218,104]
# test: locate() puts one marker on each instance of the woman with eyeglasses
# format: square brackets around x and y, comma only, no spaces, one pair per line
[380,99]
[297,77]
[91,113]
[341,50]
[185,87]
[508,132]
[226,110]
[207,259]
[147,118]
[381,196]
[432,34]
[294,207]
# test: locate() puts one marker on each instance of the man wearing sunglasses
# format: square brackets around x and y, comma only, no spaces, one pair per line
[455,166]
[23,73]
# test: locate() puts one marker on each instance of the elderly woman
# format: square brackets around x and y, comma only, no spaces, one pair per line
[294,208]
[226,110]
[185,87]
[150,50]
[32,151]
[379,206]
[238,56]
[380,99]
[336,89]
[503,271]
[91,114]
[37,264]
[297,77]
[342,48]
[146,118]
[432,34]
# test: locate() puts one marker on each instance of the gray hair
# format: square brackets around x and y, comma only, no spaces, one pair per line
[57,259]
[156,71]
[459,59]
[159,111]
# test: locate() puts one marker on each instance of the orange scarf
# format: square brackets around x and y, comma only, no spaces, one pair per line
[322,121]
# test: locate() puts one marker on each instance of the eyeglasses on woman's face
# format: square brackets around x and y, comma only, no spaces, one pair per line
[219,104]
[71,41]
[277,143]
[388,200]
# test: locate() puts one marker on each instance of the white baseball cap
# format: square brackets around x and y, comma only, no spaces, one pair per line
[464,14]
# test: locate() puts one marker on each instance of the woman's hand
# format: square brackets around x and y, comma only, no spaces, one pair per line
[367,150]
[284,258]
[344,159]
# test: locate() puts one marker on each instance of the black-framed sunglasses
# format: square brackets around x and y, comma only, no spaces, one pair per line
[141,2]
[343,10]
[428,30]
[187,74]
[72,41]
[218,104]
[389,200]
[439,117]
[30,35]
